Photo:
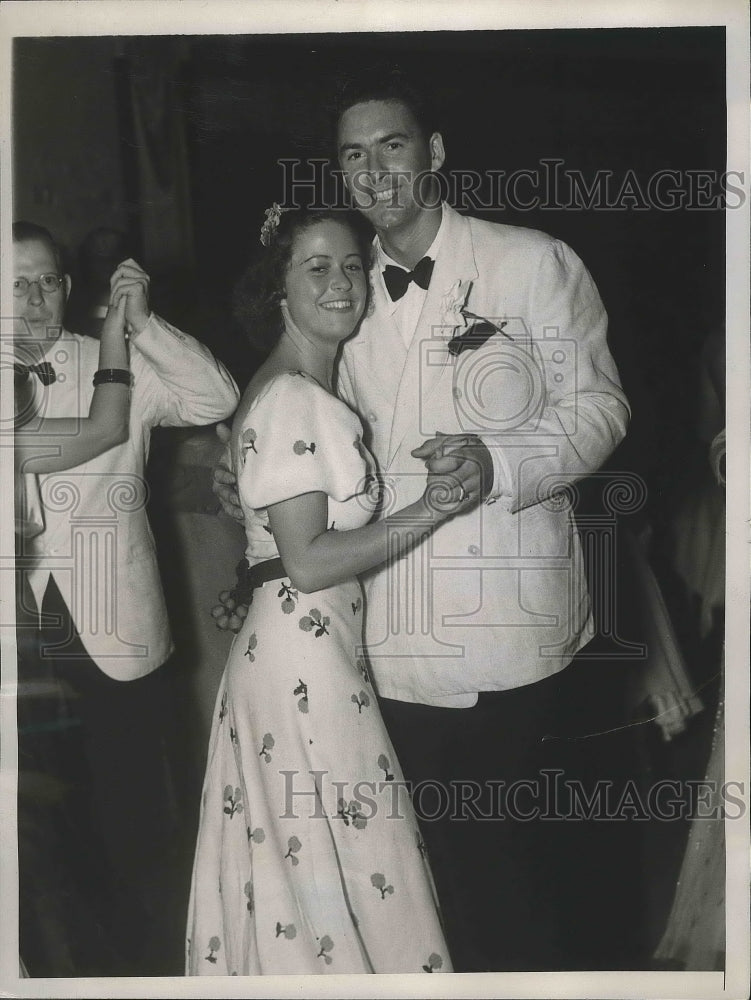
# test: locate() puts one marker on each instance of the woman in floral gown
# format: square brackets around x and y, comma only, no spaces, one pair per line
[308,857]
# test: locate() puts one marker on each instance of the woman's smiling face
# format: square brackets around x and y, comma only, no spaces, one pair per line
[326,283]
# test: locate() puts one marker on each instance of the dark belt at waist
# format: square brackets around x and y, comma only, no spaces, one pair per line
[250,577]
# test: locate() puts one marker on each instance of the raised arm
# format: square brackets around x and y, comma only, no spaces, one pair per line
[182,382]
[58,443]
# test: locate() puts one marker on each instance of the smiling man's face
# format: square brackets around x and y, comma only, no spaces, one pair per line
[385,158]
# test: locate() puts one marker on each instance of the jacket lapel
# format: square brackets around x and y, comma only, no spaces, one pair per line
[426,364]
[377,350]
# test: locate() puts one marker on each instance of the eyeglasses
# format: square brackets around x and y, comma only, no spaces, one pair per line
[47,283]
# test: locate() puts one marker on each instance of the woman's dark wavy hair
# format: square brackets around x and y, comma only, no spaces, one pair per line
[260,290]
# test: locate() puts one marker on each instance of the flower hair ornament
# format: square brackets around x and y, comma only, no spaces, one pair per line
[270,226]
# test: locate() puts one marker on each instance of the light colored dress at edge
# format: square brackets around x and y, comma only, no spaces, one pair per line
[309,858]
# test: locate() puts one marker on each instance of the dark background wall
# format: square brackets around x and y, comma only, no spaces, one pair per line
[598,99]
[68,167]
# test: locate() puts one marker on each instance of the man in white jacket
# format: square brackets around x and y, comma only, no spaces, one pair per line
[94,577]
[499,345]
[484,357]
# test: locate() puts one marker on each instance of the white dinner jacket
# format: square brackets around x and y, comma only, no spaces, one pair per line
[496,597]
[97,543]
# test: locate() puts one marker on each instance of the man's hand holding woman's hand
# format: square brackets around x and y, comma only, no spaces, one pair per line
[129,282]
[460,471]
[460,475]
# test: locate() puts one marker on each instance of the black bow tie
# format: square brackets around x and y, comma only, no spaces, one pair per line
[44,372]
[397,279]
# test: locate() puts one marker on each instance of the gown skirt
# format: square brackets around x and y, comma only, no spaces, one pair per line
[308,858]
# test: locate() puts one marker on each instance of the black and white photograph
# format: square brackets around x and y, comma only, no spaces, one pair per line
[375,494]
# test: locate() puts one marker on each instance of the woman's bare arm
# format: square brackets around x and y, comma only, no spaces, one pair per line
[316,558]
[58,443]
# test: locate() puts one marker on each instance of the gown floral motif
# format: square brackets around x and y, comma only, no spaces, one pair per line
[308,857]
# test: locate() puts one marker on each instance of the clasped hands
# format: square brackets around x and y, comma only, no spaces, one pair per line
[459,465]
[131,282]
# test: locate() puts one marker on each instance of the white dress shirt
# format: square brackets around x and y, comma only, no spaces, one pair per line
[406,310]
[97,542]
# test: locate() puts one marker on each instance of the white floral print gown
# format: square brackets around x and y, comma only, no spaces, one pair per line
[308,857]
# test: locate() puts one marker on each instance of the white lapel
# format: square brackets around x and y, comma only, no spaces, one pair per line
[420,376]
[377,351]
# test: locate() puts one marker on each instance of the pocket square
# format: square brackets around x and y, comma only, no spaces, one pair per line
[475,336]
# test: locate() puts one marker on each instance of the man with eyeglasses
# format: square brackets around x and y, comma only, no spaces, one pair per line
[47,283]
[93,575]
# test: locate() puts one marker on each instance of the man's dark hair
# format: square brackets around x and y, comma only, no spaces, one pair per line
[23,232]
[258,294]
[379,83]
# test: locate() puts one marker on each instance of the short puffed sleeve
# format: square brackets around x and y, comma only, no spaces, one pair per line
[297,438]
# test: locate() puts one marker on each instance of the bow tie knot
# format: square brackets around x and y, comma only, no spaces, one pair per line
[397,280]
[43,371]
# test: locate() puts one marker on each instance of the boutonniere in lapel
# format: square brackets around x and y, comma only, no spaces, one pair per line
[470,330]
